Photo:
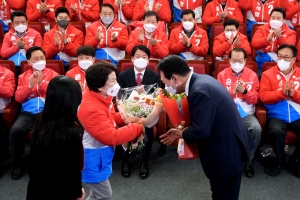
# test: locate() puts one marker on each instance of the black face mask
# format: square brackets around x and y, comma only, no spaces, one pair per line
[63,23]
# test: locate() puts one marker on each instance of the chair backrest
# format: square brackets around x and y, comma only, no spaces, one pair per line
[297,30]
[127,63]
[268,65]
[9,65]
[221,65]
[78,25]
[74,63]
[199,66]
[56,65]
[38,26]
[254,28]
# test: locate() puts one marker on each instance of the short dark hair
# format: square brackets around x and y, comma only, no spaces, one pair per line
[86,50]
[186,12]
[107,5]
[288,46]
[97,74]
[32,49]
[238,49]
[61,10]
[281,10]
[141,47]
[149,14]
[18,13]
[230,22]
[173,64]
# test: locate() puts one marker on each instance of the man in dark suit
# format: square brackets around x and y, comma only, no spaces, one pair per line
[139,74]
[222,138]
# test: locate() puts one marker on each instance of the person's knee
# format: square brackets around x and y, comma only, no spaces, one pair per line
[276,130]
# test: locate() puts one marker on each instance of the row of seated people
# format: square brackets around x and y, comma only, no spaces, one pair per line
[278,89]
[110,38]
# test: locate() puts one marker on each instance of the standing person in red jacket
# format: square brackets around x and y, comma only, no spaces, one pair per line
[156,40]
[231,38]
[86,58]
[293,13]
[42,10]
[86,11]
[107,36]
[62,41]
[123,9]
[270,36]
[189,41]
[19,39]
[31,93]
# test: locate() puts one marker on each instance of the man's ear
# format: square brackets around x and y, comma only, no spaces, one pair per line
[29,63]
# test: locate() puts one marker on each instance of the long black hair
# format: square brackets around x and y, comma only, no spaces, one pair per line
[59,119]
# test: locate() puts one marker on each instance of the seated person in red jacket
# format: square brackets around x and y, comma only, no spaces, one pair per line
[42,11]
[86,57]
[123,9]
[298,48]
[156,40]
[19,38]
[228,40]
[108,36]
[293,13]
[280,92]
[188,40]
[86,11]
[31,93]
[62,41]
[7,88]
[270,36]
[242,84]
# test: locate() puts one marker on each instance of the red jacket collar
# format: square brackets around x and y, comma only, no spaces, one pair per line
[107,101]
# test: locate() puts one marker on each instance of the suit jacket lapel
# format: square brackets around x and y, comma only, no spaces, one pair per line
[131,77]
[146,77]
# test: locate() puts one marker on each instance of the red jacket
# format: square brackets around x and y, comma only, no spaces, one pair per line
[9,47]
[213,9]
[164,14]
[221,46]
[259,40]
[78,74]
[90,13]
[199,41]
[33,13]
[23,91]
[16,4]
[159,50]
[298,48]
[119,28]
[74,36]
[7,83]
[127,8]
[7,9]
[293,12]
[100,120]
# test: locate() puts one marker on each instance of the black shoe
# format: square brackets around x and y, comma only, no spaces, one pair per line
[249,170]
[125,171]
[296,168]
[17,171]
[162,150]
[144,171]
[275,171]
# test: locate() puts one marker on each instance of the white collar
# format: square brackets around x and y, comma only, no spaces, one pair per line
[136,72]
[187,85]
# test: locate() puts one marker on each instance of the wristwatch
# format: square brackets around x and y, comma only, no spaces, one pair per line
[245,91]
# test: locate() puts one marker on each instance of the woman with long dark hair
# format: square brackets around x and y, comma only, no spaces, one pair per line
[56,148]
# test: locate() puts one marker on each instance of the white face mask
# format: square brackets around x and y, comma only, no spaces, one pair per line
[140,63]
[20,28]
[113,91]
[283,65]
[85,64]
[171,89]
[40,65]
[237,67]
[229,33]
[149,28]
[107,20]
[275,24]
[188,25]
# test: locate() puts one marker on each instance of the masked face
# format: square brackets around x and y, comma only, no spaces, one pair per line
[21,28]
[85,64]
[283,65]
[237,67]
[107,19]
[63,23]
[229,33]
[40,65]
[275,24]
[150,28]
[188,25]
[140,63]
[171,89]
[113,91]
[223,1]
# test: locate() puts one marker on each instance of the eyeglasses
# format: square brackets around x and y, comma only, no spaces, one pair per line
[286,58]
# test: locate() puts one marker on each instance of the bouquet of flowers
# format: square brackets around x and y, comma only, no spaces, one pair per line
[139,104]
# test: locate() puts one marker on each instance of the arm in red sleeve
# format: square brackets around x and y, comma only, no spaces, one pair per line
[259,40]
[32,12]
[111,2]
[244,43]
[138,11]
[292,10]
[71,47]
[161,49]
[296,96]
[245,4]
[90,37]
[127,9]
[284,4]
[49,47]
[164,14]
[122,39]
[43,87]
[202,48]
[251,97]
[8,87]
[289,39]
[208,18]
[38,41]
[117,117]
[51,14]
[8,49]
[23,91]
[73,15]
[220,47]
[237,15]
[16,4]
[92,14]
[133,41]
[175,46]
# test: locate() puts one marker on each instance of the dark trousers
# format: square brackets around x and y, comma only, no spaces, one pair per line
[278,130]
[146,151]
[19,130]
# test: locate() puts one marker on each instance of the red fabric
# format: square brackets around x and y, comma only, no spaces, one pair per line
[164,14]
[99,119]
[9,47]
[138,79]
[78,74]
[90,13]
[161,26]
[199,41]
[33,13]
[7,8]
[259,40]
[250,79]
[293,12]
[221,46]
[16,4]
[298,48]
[120,43]
[272,86]
[7,83]
[76,40]
[127,8]
[159,50]
[214,8]
[23,91]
